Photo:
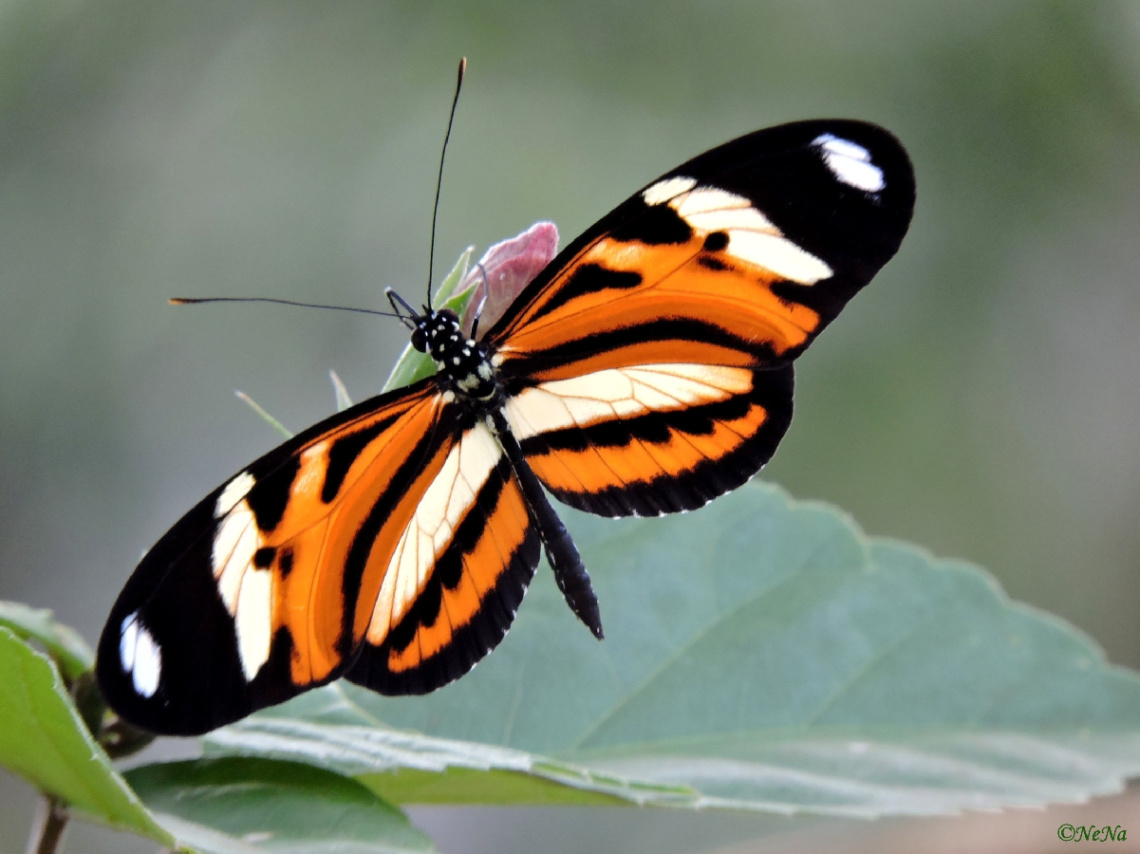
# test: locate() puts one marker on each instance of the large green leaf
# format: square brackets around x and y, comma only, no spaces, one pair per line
[237,806]
[760,653]
[43,739]
[327,729]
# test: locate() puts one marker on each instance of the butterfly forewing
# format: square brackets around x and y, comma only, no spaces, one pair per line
[267,587]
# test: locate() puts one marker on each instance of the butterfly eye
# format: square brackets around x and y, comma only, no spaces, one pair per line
[419,339]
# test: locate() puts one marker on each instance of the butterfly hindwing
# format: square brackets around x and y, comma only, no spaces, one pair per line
[479,551]
[651,439]
[648,368]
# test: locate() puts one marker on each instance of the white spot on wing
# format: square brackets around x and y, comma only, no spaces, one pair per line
[439,512]
[665,190]
[128,638]
[751,236]
[235,543]
[235,491]
[621,393]
[850,163]
[140,655]
[245,591]
[254,610]
[778,254]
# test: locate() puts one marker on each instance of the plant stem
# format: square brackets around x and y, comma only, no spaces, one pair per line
[47,833]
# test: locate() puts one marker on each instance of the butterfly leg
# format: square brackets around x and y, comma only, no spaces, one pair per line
[569,571]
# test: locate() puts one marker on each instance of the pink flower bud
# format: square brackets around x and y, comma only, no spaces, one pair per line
[504,270]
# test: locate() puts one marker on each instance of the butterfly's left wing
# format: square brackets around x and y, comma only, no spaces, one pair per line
[393,527]
[264,589]
[648,369]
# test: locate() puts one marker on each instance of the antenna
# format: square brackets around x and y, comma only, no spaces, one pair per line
[200,301]
[397,302]
[392,297]
[439,177]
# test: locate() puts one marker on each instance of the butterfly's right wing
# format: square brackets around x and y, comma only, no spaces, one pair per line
[648,368]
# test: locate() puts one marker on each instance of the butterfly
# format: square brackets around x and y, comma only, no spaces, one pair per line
[646,370]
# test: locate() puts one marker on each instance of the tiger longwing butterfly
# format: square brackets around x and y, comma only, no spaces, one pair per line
[646,370]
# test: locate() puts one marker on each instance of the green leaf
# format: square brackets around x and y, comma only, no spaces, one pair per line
[414,365]
[762,654]
[44,740]
[244,805]
[69,651]
[327,729]
[446,295]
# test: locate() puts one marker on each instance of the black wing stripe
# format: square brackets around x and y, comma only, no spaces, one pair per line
[519,373]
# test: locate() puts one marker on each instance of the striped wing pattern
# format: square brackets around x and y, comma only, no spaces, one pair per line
[649,369]
[646,370]
[477,552]
[267,573]
[651,439]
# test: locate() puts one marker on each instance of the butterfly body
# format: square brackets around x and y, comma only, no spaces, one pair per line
[465,370]
[646,370]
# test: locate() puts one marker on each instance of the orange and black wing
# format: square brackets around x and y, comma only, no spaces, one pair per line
[648,369]
[474,548]
[338,540]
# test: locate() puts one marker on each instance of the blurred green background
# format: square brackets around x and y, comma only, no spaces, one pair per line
[981,398]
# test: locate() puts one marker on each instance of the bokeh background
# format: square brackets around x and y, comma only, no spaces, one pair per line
[981,398]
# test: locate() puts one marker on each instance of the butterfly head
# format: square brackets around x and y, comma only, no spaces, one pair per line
[419,339]
[438,334]
[421,325]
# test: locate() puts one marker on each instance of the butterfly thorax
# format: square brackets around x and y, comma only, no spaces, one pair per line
[463,363]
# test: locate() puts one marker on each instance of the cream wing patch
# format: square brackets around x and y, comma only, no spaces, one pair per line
[751,236]
[246,590]
[621,393]
[140,655]
[440,511]
[667,190]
